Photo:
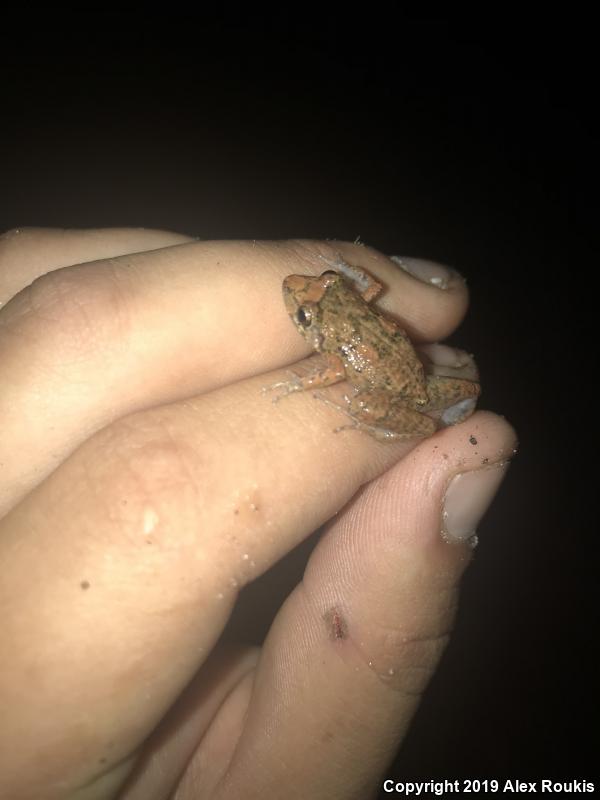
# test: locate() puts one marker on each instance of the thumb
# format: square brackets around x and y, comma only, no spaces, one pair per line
[355,645]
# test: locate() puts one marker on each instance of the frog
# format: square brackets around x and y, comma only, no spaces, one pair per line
[393,396]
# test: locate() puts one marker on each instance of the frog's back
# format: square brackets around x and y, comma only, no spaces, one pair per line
[376,352]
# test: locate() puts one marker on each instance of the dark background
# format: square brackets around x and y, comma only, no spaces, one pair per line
[470,144]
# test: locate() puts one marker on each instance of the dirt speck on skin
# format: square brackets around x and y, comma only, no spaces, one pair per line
[247,505]
[472,440]
[337,628]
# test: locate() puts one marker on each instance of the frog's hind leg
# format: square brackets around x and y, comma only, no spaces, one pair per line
[394,423]
[456,397]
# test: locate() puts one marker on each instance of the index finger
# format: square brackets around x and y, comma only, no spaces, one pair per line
[88,344]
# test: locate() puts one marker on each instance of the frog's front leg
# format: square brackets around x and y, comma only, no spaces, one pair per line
[456,396]
[327,374]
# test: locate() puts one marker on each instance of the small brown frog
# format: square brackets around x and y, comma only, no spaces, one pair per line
[392,395]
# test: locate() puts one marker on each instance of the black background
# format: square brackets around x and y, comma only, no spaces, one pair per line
[470,144]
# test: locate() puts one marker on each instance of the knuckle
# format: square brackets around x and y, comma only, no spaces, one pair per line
[147,480]
[14,241]
[406,661]
[315,252]
[312,252]
[18,232]
[26,238]
[71,313]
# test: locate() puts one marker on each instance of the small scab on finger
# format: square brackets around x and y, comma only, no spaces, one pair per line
[337,627]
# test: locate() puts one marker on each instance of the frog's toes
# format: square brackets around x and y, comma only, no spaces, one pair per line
[324,399]
[284,387]
[355,424]
[381,434]
[338,407]
[272,388]
[458,412]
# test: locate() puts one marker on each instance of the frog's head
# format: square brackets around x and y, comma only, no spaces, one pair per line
[302,295]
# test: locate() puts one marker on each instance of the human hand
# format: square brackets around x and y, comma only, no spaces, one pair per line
[146,479]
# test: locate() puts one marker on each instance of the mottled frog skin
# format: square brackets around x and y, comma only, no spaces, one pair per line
[370,351]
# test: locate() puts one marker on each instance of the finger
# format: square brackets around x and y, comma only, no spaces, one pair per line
[216,698]
[88,344]
[121,568]
[355,645]
[27,253]
[429,298]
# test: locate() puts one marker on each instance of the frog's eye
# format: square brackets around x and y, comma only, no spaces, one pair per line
[304,316]
[329,272]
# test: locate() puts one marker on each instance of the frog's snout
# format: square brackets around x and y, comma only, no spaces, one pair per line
[301,289]
[295,283]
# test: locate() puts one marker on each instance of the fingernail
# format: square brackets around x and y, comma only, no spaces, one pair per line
[467,498]
[441,355]
[428,271]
